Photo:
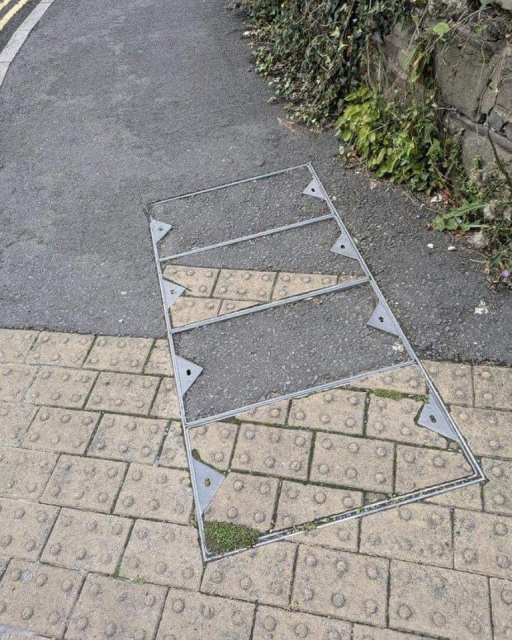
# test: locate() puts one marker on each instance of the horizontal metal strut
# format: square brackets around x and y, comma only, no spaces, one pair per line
[269,305]
[253,236]
[232,184]
[297,394]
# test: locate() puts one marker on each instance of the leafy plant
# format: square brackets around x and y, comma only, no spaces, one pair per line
[323,59]
[485,209]
[397,139]
[316,52]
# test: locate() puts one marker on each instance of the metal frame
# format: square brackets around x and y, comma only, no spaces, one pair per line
[434,396]
[252,236]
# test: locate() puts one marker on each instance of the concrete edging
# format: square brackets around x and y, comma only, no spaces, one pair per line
[18,38]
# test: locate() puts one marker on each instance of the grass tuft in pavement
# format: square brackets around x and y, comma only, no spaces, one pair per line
[386,393]
[224,536]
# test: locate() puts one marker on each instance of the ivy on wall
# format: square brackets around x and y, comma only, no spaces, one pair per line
[317,52]
[321,58]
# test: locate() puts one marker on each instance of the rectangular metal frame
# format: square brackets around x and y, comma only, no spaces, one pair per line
[476,477]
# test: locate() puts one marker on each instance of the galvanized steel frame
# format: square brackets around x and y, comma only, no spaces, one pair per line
[476,477]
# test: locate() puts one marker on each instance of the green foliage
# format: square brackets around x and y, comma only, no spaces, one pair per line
[389,393]
[321,57]
[486,210]
[224,536]
[397,138]
[316,52]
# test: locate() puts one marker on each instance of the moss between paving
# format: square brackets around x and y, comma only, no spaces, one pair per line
[221,537]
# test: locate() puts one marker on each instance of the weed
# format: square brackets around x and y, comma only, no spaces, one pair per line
[388,393]
[224,536]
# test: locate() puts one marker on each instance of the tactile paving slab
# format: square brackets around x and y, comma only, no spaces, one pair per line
[166,403]
[173,452]
[119,354]
[37,597]
[62,349]
[419,468]
[483,544]
[24,474]
[105,610]
[339,584]
[61,430]
[300,503]
[15,419]
[277,623]
[335,410]
[498,491]
[214,443]
[189,616]
[448,603]
[87,541]
[245,500]
[501,595]
[14,345]
[262,575]
[123,393]
[415,533]
[302,401]
[24,528]
[84,483]
[61,387]
[128,438]
[15,379]
[394,419]
[273,451]
[163,553]
[343,461]
[160,494]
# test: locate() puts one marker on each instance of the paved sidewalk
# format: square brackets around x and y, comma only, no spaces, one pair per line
[112,105]
[97,538]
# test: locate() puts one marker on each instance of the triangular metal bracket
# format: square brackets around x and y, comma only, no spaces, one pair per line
[159,229]
[434,418]
[314,189]
[188,372]
[208,480]
[344,247]
[172,292]
[380,319]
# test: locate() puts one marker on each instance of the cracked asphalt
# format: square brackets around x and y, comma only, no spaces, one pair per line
[111,106]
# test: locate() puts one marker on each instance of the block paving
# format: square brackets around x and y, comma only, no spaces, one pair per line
[97,535]
[215,292]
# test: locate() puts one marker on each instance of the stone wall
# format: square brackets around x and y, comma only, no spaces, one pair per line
[474,76]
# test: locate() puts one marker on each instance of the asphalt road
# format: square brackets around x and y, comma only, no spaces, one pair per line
[112,105]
